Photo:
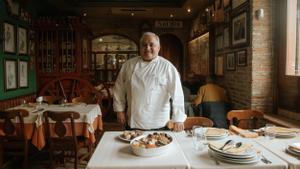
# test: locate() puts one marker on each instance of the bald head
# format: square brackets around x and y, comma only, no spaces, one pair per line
[149,46]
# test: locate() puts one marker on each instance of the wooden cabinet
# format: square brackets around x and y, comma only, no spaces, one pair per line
[107,64]
[63,48]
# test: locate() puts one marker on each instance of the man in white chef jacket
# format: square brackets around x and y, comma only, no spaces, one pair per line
[144,87]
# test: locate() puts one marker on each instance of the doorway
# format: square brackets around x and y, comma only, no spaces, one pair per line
[172,50]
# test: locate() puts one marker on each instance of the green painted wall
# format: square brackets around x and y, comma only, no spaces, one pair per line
[6,17]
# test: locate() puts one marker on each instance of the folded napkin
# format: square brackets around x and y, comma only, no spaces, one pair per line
[295,146]
[243,149]
[242,132]
[215,132]
[282,130]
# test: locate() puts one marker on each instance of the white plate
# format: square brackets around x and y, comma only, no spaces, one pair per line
[292,151]
[295,145]
[222,131]
[124,139]
[252,160]
[285,135]
[248,154]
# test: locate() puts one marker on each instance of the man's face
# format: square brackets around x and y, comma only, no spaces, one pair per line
[149,48]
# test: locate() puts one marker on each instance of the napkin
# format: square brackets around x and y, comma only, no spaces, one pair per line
[295,146]
[242,132]
[282,130]
[215,132]
[243,149]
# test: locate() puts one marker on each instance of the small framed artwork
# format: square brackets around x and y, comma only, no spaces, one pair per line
[13,7]
[230,61]
[242,58]
[226,3]
[22,41]
[9,38]
[237,3]
[218,4]
[240,29]
[219,42]
[23,74]
[10,72]
[219,65]
[226,40]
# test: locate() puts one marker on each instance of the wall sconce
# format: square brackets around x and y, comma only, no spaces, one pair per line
[259,14]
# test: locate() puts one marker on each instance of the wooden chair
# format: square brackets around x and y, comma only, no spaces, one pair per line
[84,99]
[51,99]
[203,121]
[246,119]
[57,137]
[13,141]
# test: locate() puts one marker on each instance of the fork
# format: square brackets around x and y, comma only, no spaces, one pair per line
[265,160]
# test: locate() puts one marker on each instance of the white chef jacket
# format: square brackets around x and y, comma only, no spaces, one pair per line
[148,87]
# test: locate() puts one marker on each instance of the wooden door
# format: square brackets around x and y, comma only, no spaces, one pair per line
[171,49]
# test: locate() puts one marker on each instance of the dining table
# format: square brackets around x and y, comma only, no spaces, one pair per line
[90,120]
[203,159]
[114,153]
[278,146]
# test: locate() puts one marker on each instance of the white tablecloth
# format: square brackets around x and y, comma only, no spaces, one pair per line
[202,160]
[88,113]
[278,146]
[112,153]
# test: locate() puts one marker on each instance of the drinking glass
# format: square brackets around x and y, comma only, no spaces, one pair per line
[269,134]
[199,137]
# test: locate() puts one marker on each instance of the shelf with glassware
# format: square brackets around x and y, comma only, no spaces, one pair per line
[64,49]
[107,64]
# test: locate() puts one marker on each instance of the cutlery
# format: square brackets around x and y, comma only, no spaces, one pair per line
[226,143]
[236,145]
[265,160]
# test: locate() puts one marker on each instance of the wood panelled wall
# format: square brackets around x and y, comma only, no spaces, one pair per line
[288,89]
[4,104]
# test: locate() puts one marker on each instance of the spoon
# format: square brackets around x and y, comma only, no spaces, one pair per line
[236,145]
[226,143]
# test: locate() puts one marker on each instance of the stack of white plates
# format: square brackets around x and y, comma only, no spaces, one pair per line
[282,132]
[294,149]
[247,155]
[216,133]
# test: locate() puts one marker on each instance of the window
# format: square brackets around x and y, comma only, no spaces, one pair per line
[293,38]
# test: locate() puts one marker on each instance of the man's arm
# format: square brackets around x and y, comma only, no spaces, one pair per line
[178,114]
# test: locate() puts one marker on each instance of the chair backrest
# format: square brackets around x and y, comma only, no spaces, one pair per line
[84,99]
[52,99]
[56,130]
[246,119]
[13,141]
[14,129]
[203,121]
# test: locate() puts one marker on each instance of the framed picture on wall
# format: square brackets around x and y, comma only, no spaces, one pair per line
[230,61]
[9,38]
[10,73]
[23,74]
[13,7]
[219,65]
[22,41]
[237,3]
[242,58]
[240,29]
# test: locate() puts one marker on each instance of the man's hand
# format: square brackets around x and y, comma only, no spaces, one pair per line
[121,118]
[178,126]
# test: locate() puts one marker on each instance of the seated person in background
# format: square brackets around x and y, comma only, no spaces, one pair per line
[213,103]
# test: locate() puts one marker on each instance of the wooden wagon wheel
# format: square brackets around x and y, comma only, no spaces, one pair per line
[70,87]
